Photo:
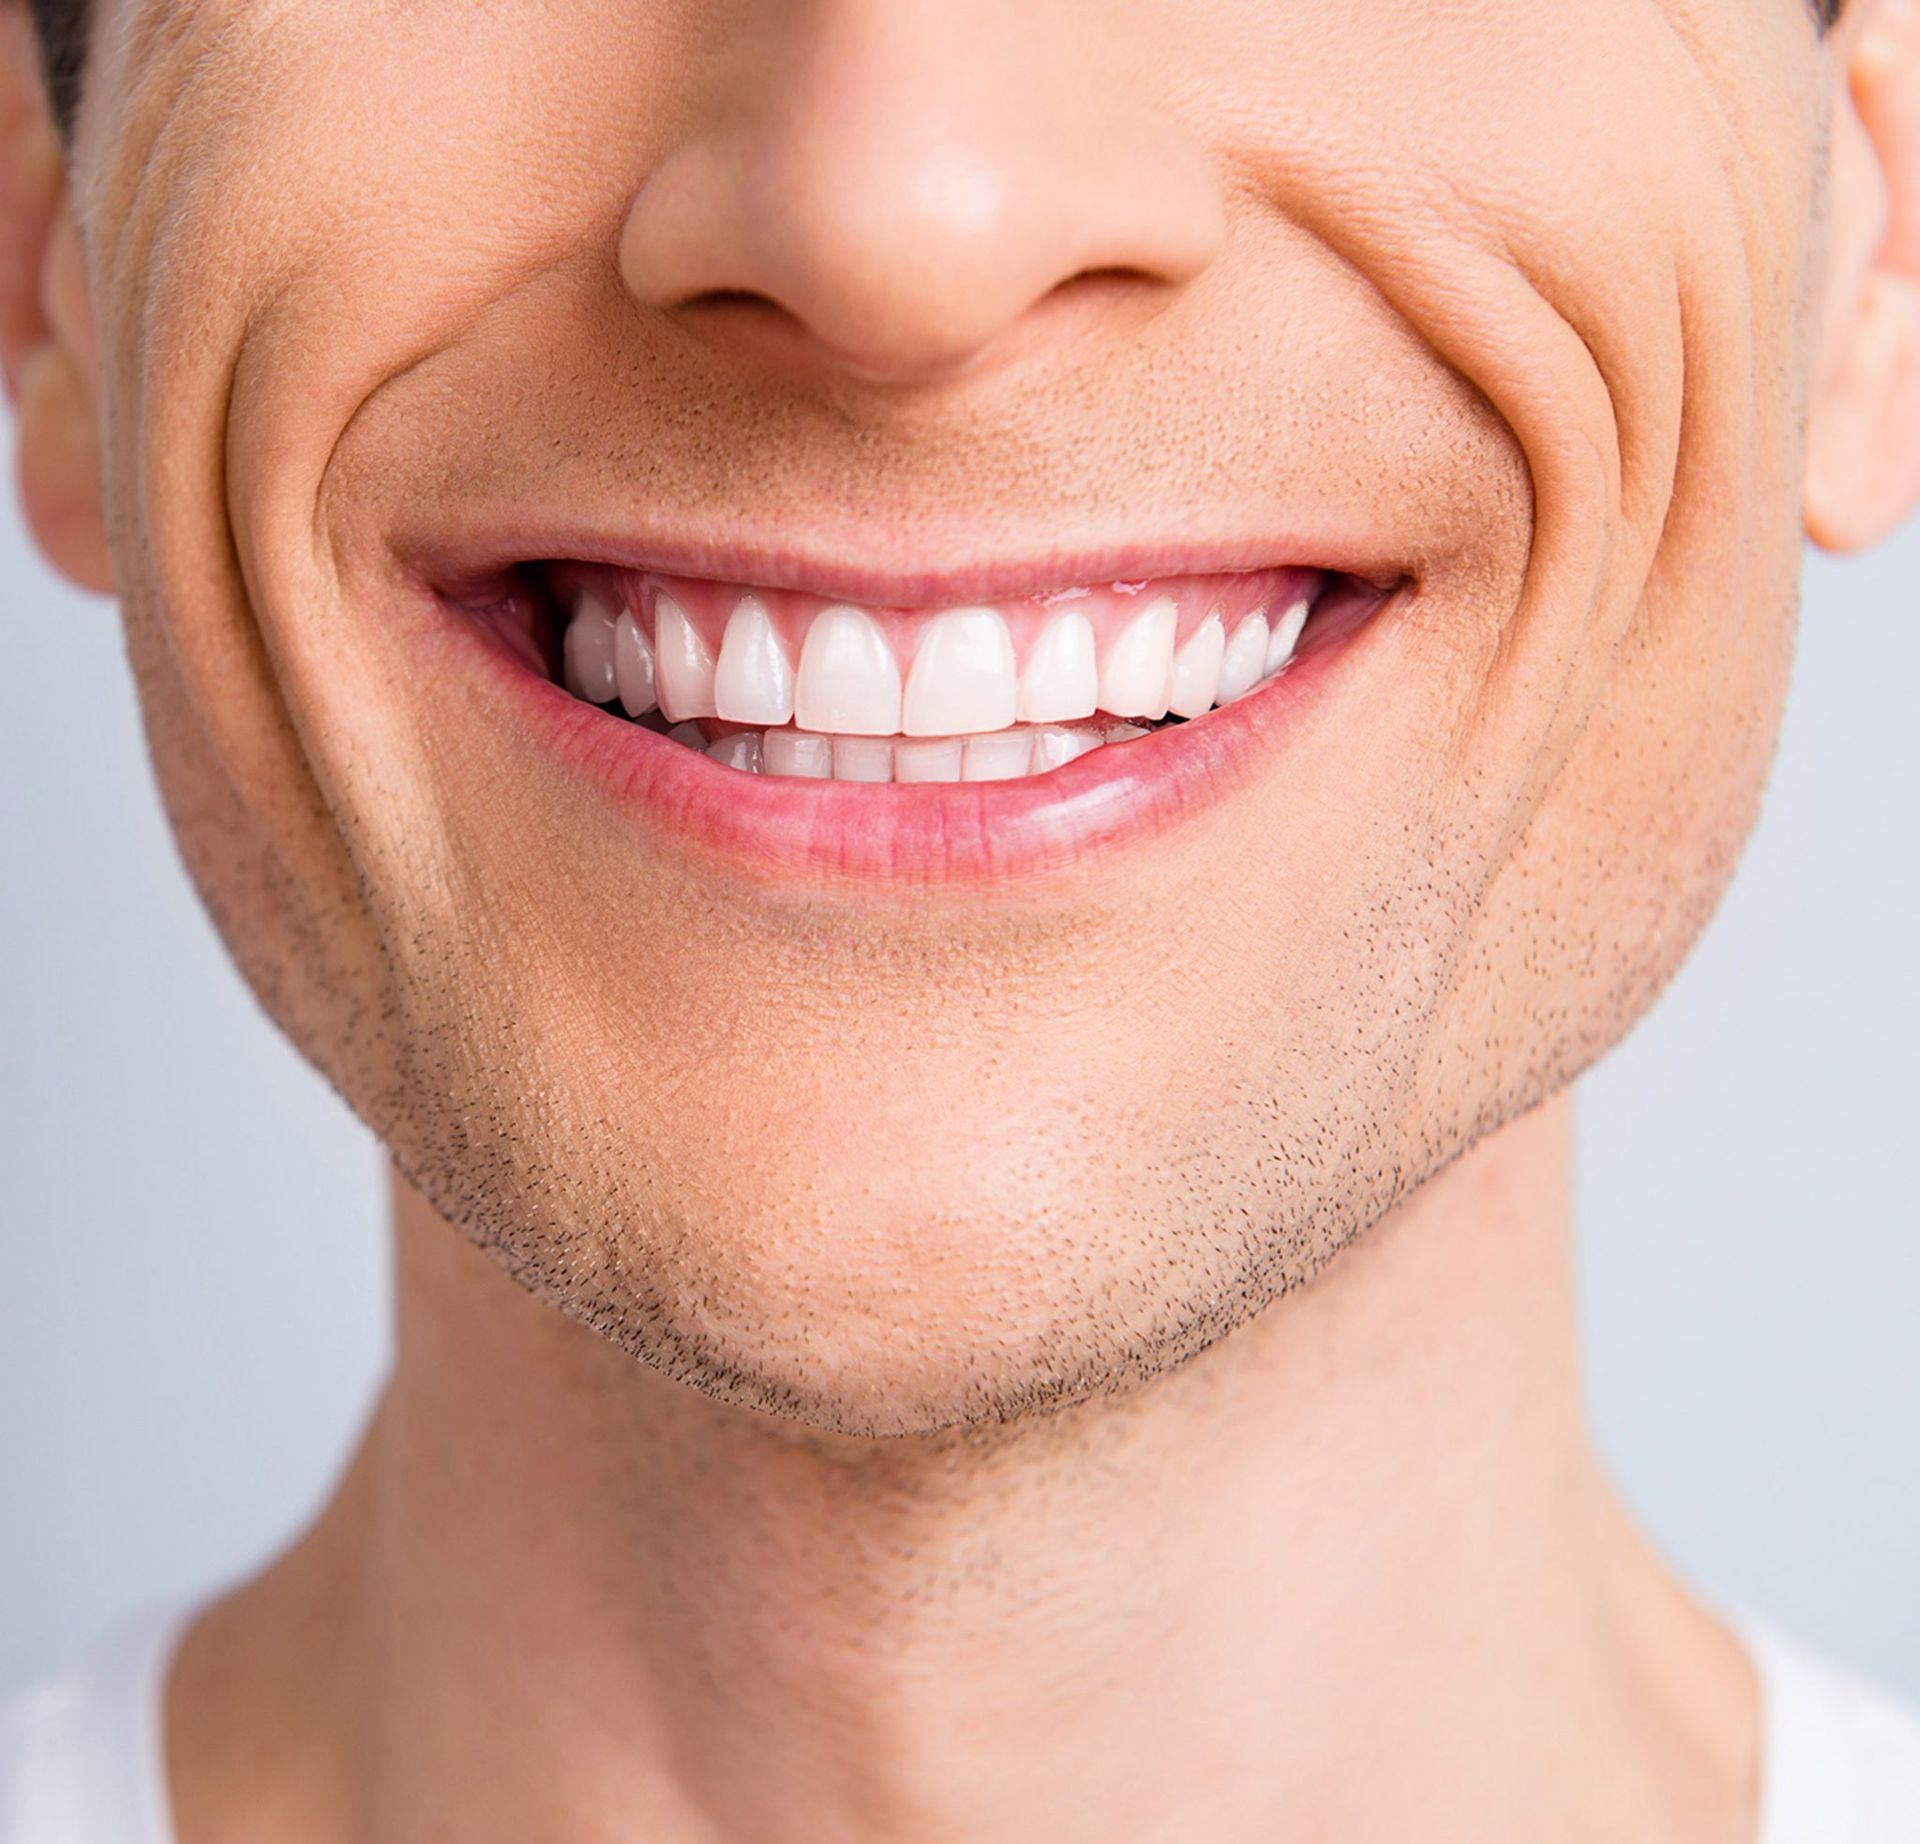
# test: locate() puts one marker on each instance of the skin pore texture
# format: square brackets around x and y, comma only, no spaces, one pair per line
[824,1423]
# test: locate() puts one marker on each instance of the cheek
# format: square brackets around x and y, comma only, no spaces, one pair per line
[283,898]
[1630,852]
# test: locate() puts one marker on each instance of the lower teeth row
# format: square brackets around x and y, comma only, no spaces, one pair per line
[998,755]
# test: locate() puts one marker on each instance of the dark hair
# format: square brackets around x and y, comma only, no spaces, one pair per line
[63,26]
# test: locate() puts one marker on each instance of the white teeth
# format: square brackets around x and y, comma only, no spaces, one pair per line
[588,651]
[1196,670]
[1138,665]
[740,750]
[963,675]
[1055,748]
[1286,636]
[683,664]
[1244,664]
[849,681]
[1001,757]
[798,752]
[633,668]
[1062,679]
[753,683]
[956,715]
[862,758]
[928,759]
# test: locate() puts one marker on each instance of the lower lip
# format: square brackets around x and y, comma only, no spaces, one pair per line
[790,829]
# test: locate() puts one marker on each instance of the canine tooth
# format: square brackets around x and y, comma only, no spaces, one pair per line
[690,734]
[740,750]
[753,682]
[849,682]
[1196,670]
[963,675]
[1001,756]
[1062,679]
[1138,665]
[927,758]
[1244,664]
[588,651]
[633,668]
[683,663]
[797,752]
[1055,746]
[862,758]
[1286,636]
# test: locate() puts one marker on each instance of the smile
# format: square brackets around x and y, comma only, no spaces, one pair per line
[1108,706]
[773,682]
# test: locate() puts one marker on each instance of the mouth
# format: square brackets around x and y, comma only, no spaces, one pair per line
[1103,704]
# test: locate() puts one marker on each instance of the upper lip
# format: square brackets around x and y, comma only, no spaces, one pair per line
[466,571]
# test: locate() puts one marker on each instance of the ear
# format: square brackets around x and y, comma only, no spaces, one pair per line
[47,355]
[1863,410]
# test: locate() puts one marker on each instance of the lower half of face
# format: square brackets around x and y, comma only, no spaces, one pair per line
[904,850]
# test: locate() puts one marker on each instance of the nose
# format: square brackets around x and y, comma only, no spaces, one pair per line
[892,188]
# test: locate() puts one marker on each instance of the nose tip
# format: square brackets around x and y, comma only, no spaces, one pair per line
[892,202]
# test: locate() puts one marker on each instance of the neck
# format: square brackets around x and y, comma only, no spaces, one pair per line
[1350,1574]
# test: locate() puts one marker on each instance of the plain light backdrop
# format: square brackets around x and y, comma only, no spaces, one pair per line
[193,1288]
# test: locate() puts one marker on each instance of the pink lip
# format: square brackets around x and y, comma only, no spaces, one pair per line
[463,569]
[960,833]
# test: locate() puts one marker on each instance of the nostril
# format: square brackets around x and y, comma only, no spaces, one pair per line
[1111,280]
[731,299]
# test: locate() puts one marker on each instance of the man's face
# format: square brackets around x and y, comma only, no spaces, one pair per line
[892,1107]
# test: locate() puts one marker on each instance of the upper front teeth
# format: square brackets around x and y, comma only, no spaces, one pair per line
[633,673]
[1135,677]
[753,682]
[964,678]
[1286,635]
[849,681]
[1062,679]
[1196,670]
[683,663]
[1243,663]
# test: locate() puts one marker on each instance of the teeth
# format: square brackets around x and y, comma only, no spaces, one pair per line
[1002,757]
[1286,636]
[999,755]
[798,752]
[740,750]
[849,682]
[862,758]
[633,668]
[1134,676]
[966,711]
[1244,664]
[1196,670]
[928,759]
[1062,679]
[1055,748]
[963,675]
[589,651]
[683,663]
[753,683]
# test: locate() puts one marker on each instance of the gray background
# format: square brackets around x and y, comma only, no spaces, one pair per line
[193,1290]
